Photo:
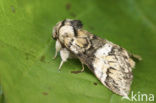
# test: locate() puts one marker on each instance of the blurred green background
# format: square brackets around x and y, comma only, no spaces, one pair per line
[28,74]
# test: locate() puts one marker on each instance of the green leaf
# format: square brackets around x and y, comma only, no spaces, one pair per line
[28,74]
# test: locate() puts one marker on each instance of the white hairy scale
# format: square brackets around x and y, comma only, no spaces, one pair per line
[99,63]
[64,54]
[99,69]
[103,51]
[66,31]
[73,47]
[58,45]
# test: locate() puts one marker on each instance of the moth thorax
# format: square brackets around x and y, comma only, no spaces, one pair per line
[66,31]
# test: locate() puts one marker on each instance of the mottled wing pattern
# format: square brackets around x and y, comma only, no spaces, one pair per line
[109,62]
[113,67]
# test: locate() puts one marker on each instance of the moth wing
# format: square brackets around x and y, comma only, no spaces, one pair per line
[110,63]
[113,67]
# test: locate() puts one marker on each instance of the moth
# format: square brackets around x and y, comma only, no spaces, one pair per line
[109,62]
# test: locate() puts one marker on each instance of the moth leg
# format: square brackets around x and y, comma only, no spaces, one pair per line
[82,67]
[135,56]
[58,48]
[138,57]
[64,53]
[82,70]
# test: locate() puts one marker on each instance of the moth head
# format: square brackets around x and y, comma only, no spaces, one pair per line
[67,27]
